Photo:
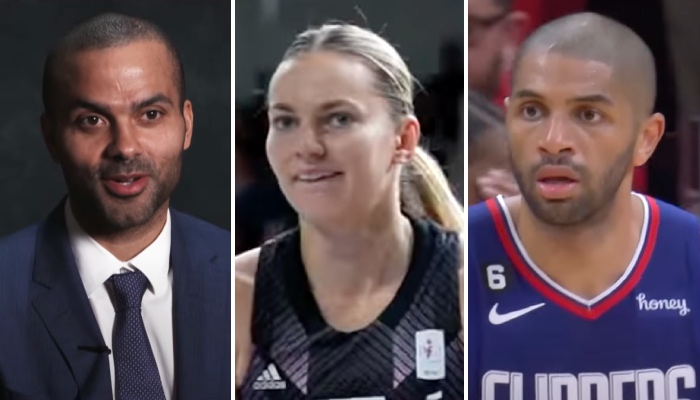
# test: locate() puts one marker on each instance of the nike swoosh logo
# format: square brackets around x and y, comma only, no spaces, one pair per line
[497,319]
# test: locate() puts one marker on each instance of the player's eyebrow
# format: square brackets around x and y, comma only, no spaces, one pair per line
[591,98]
[527,94]
[281,107]
[328,105]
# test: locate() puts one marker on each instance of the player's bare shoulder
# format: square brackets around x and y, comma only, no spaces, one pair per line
[245,265]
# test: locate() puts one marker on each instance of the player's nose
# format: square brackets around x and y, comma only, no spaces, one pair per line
[556,137]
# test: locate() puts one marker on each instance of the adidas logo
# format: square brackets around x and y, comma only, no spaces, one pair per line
[270,379]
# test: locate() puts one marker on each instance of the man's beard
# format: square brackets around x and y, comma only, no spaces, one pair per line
[589,206]
[105,215]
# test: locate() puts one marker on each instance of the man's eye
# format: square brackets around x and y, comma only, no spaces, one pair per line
[90,121]
[153,115]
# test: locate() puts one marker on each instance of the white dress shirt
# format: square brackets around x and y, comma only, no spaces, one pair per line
[96,265]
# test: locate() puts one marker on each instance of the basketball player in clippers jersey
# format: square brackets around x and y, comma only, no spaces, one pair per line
[579,288]
[362,301]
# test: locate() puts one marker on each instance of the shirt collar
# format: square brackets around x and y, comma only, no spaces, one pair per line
[96,264]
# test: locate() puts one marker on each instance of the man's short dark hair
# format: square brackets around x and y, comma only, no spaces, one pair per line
[589,36]
[101,32]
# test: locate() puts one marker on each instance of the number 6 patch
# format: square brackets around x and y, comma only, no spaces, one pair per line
[497,276]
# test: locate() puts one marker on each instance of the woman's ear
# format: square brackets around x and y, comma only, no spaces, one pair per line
[407,139]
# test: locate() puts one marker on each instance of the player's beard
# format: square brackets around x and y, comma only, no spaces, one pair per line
[590,206]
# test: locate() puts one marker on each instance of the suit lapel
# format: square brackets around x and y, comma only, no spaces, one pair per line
[63,306]
[199,307]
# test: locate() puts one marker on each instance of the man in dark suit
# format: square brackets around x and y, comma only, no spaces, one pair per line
[115,295]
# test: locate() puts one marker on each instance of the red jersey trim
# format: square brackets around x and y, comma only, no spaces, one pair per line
[553,294]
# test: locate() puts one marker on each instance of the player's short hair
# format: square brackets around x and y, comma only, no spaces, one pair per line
[102,32]
[590,36]
[424,188]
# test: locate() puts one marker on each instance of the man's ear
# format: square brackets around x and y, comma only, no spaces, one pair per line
[652,130]
[188,114]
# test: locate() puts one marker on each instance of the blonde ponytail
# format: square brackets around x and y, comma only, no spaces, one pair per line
[426,192]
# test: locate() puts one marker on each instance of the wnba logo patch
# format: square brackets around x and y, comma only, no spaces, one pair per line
[430,354]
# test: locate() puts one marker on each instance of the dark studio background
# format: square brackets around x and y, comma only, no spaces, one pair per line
[428,34]
[31,185]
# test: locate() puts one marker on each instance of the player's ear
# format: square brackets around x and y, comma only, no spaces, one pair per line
[652,129]
[407,139]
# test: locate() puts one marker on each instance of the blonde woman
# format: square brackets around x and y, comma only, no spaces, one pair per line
[363,299]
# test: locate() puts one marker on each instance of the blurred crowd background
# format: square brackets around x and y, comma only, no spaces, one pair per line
[428,34]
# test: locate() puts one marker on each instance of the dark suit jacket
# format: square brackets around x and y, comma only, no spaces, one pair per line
[46,320]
